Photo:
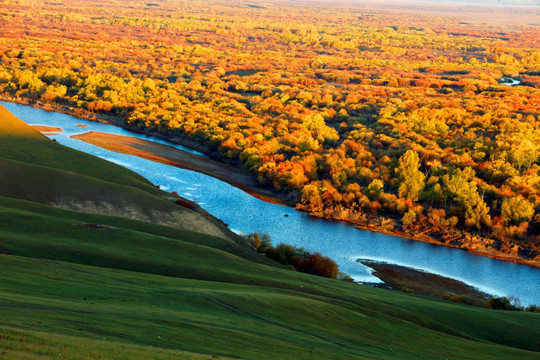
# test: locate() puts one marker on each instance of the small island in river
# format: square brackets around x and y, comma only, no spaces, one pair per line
[171,156]
[47,130]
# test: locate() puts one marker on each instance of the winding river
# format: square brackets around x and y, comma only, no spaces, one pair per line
[344,243]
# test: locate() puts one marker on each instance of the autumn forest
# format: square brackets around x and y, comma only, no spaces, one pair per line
[402,121]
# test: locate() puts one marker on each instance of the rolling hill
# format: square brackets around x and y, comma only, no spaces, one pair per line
[111,280]
[74,180]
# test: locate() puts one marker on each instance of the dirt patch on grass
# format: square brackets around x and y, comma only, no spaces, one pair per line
[169,155]
[48,130]
[419,282]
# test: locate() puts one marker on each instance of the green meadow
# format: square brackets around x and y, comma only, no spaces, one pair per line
[77,285]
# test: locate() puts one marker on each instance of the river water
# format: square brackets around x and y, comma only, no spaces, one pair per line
[343,243]
[509,81]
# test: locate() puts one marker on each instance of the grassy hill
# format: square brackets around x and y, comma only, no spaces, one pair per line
[81,286]
[37,169]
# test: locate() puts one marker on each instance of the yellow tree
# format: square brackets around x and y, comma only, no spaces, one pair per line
[412,179]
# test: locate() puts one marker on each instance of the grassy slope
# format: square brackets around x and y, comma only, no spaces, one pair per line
[24,144]
[37,169]
[68,285]
[19,344]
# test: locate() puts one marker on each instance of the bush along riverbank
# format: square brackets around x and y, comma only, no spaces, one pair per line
[296,258]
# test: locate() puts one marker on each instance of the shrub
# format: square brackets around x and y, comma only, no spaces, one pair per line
[343,276]
[284,254]
[184,203]
[516,210]
[501,303]
[261,242]
[298,258]
[409,218]
[317,264]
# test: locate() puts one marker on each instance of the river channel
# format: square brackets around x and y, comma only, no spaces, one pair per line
[344,243]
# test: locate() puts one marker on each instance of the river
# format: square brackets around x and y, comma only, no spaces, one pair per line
[344,243]
[508,81]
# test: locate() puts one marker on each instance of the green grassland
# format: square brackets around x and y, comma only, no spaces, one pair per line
[85,286]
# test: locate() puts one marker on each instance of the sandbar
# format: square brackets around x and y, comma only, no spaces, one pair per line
[397,277]
[48,130]
[231,174]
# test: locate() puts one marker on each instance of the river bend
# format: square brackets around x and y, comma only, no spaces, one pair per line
[344,243]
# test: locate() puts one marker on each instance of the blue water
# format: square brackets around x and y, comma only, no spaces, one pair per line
[344,243]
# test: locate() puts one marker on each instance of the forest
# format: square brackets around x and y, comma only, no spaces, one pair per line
[396,120]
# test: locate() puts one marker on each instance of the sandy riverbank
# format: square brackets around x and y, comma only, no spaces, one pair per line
[169,155]
[48,130]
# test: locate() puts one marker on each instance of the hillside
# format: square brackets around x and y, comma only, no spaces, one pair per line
[83,286]
[77,181]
